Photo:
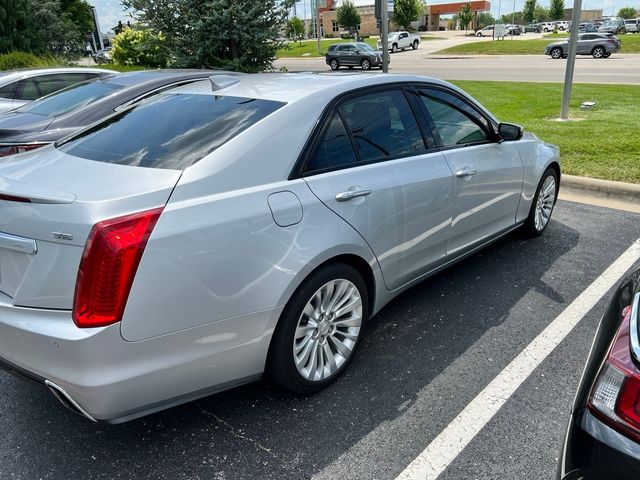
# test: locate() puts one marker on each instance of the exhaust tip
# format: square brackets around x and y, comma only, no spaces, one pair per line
[65,399]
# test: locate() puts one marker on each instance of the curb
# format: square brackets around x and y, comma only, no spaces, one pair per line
[602,188]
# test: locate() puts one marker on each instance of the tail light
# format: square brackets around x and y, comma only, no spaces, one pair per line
[615,396]
[6,150]
[108,266]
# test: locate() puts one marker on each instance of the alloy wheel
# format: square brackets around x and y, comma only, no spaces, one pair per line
[545,202]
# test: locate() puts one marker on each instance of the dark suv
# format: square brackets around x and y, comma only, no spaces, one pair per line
[353,55]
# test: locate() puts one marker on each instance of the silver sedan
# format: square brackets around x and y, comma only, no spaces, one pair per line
[246,226]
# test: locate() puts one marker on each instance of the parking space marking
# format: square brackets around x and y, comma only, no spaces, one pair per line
[458,434]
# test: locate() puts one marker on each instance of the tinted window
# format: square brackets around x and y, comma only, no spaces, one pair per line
[76,96]
[455,120]
[7,92]
[382,125]
[169,131]
[334,150]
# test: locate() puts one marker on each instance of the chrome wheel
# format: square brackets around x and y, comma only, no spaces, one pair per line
[327,330]
[545,202]
[556,53]
[598,52]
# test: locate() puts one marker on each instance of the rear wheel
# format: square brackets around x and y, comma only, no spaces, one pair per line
[365,64]
[543,203]
[598,52]
[334,64]
[607,55]
[319,330]
[394,48]
[556,53]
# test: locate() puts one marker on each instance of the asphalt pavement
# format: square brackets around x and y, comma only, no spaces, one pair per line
[424,358]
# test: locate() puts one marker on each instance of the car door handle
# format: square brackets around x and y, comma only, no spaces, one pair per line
[467,172]
[350,194]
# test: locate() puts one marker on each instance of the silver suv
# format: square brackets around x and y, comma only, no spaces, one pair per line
[598,45]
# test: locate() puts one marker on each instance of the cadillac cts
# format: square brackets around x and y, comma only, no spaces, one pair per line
[248,225]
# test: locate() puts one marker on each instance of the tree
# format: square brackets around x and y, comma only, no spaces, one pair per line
[348,16]
[465,15]
[234,34]
[406,11]
[556,9]
[295,28]
[540,14]
[484,19]
[528,12]
[627,12]
[140,46]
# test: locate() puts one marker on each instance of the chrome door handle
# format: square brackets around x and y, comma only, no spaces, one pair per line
[467,172]
[348,195]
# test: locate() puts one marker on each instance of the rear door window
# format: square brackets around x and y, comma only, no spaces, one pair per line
[172,130]
[334,150]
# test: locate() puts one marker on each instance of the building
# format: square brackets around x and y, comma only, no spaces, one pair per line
[585,15]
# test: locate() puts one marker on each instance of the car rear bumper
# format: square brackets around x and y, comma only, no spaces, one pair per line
[114,380]
[593,450]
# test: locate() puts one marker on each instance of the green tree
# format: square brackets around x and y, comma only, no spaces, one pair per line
[465,15]
[556,9]
[540,14]
[234,34]
[140,46]
[484,19]
[348,16]
[406,11]
[295,28]
[512,18]
[627,12]
[528,12]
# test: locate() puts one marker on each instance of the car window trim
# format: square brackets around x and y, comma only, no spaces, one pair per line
[153,93]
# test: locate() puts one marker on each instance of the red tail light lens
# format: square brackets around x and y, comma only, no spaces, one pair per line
[615,396]
[6,150]
[108,266]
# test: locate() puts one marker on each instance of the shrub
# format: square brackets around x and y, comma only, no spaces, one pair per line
[14,60]
[142,47]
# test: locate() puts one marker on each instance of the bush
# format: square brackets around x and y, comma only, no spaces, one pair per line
[142,47]
[14,60]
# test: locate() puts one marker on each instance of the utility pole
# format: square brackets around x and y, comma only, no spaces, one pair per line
[571,59]
[318,26]
[384,37]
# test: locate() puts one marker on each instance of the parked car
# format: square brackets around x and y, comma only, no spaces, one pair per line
[102,56]
[51,118]
[485,32]
[632,25]
[18,87]
[587,27]
[401,41]
[207,236]
[603,436]
[533,27]
[353,55]
[615,26]
[548,26]
[596,44]
[562,25]
[513,29]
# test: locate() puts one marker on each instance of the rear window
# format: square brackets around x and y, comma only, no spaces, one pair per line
[75,96]
[173,130]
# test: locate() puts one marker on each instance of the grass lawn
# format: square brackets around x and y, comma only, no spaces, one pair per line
[630,44]
[602,143]
[309,48]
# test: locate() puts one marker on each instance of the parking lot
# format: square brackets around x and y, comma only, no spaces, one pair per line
[423,359]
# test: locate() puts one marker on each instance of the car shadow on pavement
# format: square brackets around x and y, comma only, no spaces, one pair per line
[261,431]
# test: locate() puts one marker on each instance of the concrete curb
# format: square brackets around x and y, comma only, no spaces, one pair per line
[602,188]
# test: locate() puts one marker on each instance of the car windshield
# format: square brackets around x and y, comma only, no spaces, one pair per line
[71,98]
[172,130]
[364,47]
[610,23]
[393,35]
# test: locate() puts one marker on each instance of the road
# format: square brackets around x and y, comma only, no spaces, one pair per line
[424,358]
[617,69]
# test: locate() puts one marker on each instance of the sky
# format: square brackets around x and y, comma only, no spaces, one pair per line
[110,11]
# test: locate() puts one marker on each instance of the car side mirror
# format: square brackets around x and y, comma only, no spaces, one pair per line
[510,132]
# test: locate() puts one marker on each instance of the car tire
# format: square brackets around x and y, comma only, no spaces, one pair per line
[606,55]
[479,34]
[543,203]
[334,64]
[291,363]
[394,48]
[598,52]
[365,64]
[556,53]
[414,45]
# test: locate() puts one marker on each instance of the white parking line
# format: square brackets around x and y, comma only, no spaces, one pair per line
[456,436]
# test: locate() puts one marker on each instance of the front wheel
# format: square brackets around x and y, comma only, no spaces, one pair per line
[543,203]
[598,52]
[365,64]
[319,330]
[556,53]
[334,64]
[415,45]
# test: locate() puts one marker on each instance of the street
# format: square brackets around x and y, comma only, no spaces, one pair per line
[423,359]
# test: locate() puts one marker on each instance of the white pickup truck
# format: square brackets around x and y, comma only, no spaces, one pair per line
[401,40]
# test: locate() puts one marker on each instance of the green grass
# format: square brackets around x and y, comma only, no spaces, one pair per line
[630,44]
[309,48]
[601,143]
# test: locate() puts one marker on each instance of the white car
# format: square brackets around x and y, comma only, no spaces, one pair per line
[548,26]
[401,41]
[485,32]
[563,25]
[632,25]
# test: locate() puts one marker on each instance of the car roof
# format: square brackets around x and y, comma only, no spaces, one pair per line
[153,76]
[294,87]
[10,75]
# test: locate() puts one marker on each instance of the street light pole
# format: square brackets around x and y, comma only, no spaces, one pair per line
[318,26]
[384,40]
[571,59]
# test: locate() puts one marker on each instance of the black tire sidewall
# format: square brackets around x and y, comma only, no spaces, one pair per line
[280,362]
[530,223]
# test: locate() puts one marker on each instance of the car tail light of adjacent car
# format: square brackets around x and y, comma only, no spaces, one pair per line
[6,150]
[108,266]
[615,395]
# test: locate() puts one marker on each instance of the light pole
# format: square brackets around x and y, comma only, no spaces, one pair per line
[571,59]
[384,40]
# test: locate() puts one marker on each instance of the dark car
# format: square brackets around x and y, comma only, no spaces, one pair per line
[67,111]
[603,436]
[587,27]
[598,45]
[533,27]
[353,55]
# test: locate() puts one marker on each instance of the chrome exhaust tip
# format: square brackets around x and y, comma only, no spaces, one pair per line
[65,399]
